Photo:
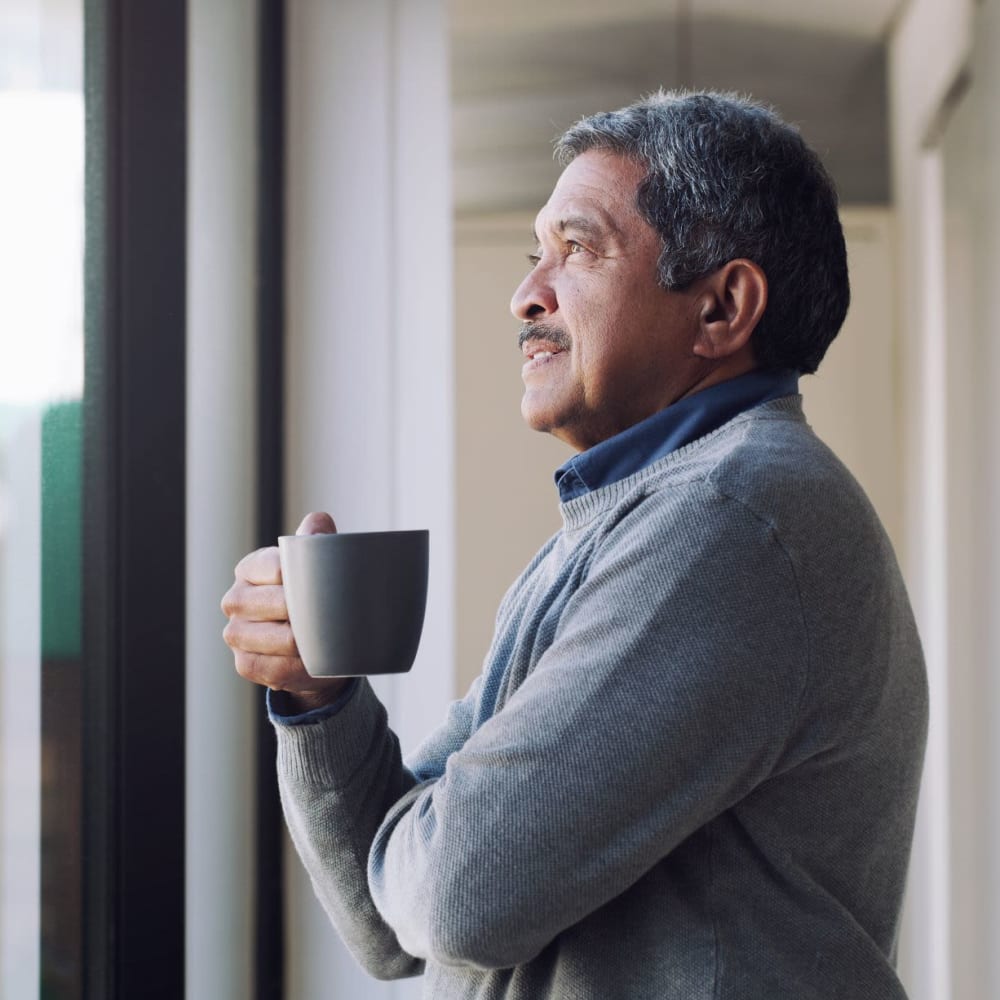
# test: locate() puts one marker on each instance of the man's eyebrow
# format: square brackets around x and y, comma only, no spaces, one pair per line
[585,225]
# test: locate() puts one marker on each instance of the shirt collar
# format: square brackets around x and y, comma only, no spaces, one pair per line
[671,428]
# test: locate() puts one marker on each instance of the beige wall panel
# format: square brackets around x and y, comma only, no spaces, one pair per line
[506,499]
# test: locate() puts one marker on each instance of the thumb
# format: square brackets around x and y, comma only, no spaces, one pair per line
[317,524]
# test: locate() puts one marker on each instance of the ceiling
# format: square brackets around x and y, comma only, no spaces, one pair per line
[523,71]
[863,18]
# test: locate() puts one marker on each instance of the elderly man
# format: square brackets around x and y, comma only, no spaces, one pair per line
[690,766]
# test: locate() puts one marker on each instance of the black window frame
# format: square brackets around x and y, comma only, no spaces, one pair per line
[134,494]
[135,71]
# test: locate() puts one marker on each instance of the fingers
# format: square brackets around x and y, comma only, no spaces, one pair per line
[317,523]
[258,631]
[277,672]
[265,653]
[262,566]
[266,638]
[287,674]
[255,602]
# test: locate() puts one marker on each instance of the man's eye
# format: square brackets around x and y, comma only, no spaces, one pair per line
[534,258]
[574,247]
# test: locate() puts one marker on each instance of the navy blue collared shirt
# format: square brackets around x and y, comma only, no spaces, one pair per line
[674,426]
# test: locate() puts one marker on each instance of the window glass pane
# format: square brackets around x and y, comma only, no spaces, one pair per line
[41,385]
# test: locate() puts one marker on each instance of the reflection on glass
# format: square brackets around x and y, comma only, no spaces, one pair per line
[41,385]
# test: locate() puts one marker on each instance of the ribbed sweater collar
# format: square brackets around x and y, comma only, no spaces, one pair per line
[581,511]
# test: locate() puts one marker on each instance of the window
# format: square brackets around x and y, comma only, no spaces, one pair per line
[41,390]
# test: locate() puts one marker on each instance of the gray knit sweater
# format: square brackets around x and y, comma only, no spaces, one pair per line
[688,771]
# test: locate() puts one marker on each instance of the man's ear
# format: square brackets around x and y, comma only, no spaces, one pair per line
[731,302]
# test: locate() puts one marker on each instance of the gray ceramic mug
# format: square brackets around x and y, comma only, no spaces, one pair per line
[356,601]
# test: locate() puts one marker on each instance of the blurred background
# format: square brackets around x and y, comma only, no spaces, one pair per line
[255,259]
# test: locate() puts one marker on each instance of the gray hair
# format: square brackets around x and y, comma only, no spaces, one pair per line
[726,179]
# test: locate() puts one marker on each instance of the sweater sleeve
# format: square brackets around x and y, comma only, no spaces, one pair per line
[338,777]
[667,694]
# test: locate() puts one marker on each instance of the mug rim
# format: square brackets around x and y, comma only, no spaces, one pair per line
[358,534]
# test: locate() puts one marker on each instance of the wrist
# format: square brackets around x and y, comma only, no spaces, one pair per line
[300,702]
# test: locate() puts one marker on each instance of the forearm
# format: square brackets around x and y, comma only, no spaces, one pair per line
[647,716]
[337,779]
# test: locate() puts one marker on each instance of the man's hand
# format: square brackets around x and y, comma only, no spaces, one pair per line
[258,631]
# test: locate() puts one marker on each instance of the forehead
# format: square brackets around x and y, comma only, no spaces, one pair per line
[598,185]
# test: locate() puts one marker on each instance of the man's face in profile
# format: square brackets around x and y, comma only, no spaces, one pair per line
[605,346]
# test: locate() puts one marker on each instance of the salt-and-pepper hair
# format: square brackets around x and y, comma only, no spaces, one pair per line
[726,179]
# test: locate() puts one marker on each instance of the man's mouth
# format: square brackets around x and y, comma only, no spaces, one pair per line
[539,356]
[540,342]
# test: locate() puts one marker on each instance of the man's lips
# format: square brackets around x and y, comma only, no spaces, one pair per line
[540,342]
[538,354]
[540,349]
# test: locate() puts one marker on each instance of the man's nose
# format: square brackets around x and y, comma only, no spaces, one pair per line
[535,298]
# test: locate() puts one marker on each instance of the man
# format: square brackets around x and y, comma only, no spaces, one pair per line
[690,766]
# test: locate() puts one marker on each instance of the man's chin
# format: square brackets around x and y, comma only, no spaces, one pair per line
[536,415]
[547,419]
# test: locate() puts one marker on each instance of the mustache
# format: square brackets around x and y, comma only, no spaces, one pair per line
[547,332]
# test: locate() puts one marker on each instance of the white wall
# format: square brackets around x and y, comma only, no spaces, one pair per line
[220,842]
[944,163]
[369,388]
[970,591]
[853,400]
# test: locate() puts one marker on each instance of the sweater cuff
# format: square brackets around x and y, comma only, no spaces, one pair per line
[276,707]
[331,750]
